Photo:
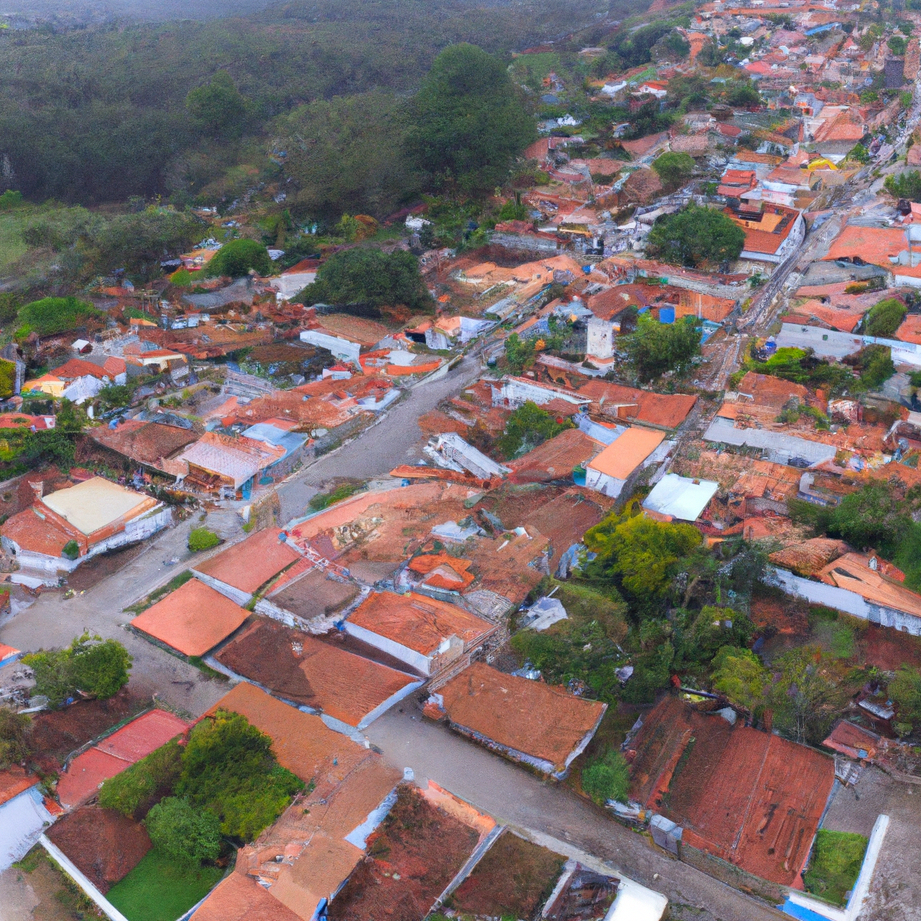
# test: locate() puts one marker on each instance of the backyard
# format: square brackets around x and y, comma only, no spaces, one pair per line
[835,865]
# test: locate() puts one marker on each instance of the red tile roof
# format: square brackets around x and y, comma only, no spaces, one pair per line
[13,781]
[251,563]
[239,898]
[665,410]
[192,619]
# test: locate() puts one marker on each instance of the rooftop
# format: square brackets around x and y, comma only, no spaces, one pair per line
[96,503]
[679,497]
[192,619]
[662,410]
[309,672]
[623,456]
[555,458]
[418,622]
[526,716]
[240,898]
[251,563]
[859,573]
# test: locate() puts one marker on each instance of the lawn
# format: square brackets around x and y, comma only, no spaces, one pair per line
[835,865]
[159,889]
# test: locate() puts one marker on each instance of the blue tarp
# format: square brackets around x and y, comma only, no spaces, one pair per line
[797,911]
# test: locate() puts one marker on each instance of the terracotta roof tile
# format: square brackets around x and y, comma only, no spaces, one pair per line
[665,410]
[251,563]
[239,898]
[623,456]
[536,719]
[192,619]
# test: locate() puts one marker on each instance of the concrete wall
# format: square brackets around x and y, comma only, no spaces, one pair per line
[341,348]
[415,660]
[228,591]
[101,902]
[601,482]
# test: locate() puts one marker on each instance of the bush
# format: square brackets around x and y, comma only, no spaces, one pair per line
[14,737]
[527,427]
[324,500]
[607,778]
[236,258]
[188,835]
[202,539]
[884,318]
[52,315]
[71,550]
[91,665]
[134,791]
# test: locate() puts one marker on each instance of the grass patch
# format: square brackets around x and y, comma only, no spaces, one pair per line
[162,591]
[161,889]
[835,864]
[326,499]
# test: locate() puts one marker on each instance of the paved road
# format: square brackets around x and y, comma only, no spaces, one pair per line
[518,798]
[377,450]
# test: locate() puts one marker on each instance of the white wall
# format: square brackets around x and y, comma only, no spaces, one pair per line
[601,482]
[341,348]
[415,660]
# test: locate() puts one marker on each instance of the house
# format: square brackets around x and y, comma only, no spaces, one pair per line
[772,233]
[677,498]
[528,721]
[153,444]
[424,633]
[609,471]
[227,466]
[513,392]
[242,569]
[23,814]
[192,620]
[451,450]
[78,380]
[657,88]
[63,529]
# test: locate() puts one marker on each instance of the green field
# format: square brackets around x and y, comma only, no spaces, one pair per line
[12,246]
[159,889]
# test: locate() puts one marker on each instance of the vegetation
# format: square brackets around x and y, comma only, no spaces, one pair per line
[835,864]
[365,279]
[182,833]
[71,550]
[53,315]
[657,348]
[696,237]
[160,888]
[134,791]
[325,499]
[739,674]
[238,257]
[885,317]
[202,539]
[90,665]
[607,778]
[673,169]
[14,737]
[905,185]
[468,121]
[527,427]
[228,768]
[905,692]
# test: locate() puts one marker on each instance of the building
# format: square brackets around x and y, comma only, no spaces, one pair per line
[527,721]
[609,471]
[513,392]
[63,529]
[78,380]
[772,233]
[602,335]
[23,814]
[227,466]
[425,634]
[677,498]
[452,449]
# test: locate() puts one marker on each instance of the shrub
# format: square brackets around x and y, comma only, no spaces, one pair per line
[14,736]
[183,833]
[884,318]
[71,550]
[607,778]
[237,257]
[202,539]
[141,786]
[56,315]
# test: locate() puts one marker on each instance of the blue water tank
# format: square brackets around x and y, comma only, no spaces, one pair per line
[666,314]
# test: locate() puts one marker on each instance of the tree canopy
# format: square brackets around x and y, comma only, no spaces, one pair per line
[655,348]
[674,168]
[183,833]
[905,691]
[218,106]
[885,317]
[469,122]
[367,277]
[696,236]
[905,185]
[56,315]
[90,665]
[237,257]
[527,427]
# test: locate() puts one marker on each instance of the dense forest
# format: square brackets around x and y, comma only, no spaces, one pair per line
[197,110]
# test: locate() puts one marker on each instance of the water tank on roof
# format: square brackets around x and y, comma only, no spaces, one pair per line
[666,314]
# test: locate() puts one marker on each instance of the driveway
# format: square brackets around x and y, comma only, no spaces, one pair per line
[517,798]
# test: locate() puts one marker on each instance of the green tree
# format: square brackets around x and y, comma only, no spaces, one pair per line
[346,154]
[656,348]
[805,699]
[905,692]
[607,778]
[115,395]
[366,277]
[739,674]
[14,737]
[236,258]
[135,790]
[674,168]
[859,154]
[696,236]
[885,317]
[218,106]
[186,834]
[638,552]
[468,121]
[90,665]
[527,427]
[905,185]
[897,45]
[228,767]
[519,353]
